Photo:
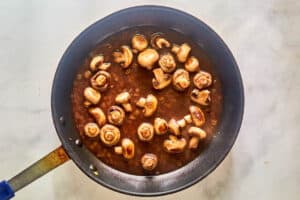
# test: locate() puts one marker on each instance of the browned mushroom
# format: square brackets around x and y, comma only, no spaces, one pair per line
[201,97]
[99,115]
[100,81]
[149,161]
[182,52]
[97,62]
[125,57]
[167,62]
[148,58]
[160,126]
[197,116]
[181,79]
[92,95]
[115,115]
[174,127]
[110,135]
[128,149]
[149,104]
[139,42]
[124,99]
[202,80]
[145,132]
[161,80]
[158,41]
[192,64]
[91,129]
[197,134]
[174,144]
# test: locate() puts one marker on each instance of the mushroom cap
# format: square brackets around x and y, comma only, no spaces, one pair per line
[197,132]
[182,51]
[192,64]
[167,62]
[139,42]
[181,79]
[110,135]
[96,61]
[125,57]
[148,58]
[174,127]
[150,105]
[128,148]
[115,115]
[98,115]
[149,161]
[174,145]
[100,81]
[198,116]
[91,129]
[160,126]
[145,132]
[202,80]
[123,97]
[92,95]
[201,97]
[161,80]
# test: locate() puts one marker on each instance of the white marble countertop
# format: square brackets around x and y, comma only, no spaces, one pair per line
[264,37]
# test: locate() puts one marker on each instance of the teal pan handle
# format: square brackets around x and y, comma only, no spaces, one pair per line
[33,172]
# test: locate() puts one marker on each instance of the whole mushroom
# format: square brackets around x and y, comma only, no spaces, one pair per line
[149,104]
[181,79]
[197,115]
[161,80]
[91,129]
[167,62]
[174,144]
[148,58]
[160,126]
[182,52]
[115,115]
[110,135]
[92,95]
[124,100]
[149,161]
[202,80]
[192,64]
[145,132]
[125,57]
[197,134]
[100,81]
[139,42]
[201,97]
[98,115]
[97,62]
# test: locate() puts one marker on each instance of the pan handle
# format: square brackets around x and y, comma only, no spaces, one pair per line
[33,172]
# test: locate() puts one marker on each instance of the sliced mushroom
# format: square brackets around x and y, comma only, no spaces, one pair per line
[192,64]
[139,42]
[145,132]
[201,97]
[99,115]
[92,95]
[100,81]
[161,80]
[197,135]
[110,135]
[149,161]
[91,129]
[97,62]
[149,104]
[160,126]
[167,62]
[124,99]
[115,115]
[125,57]
[197,116]
[174,127]
[181,79]
[174,144]
[182,52]
[202,80]
[128,149]
[148,58]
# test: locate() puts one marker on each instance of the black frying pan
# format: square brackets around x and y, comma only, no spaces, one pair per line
[233,99]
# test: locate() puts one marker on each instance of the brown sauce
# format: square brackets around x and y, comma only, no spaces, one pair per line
[137,81]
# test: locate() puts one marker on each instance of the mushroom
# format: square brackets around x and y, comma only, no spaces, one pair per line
[97,62]
[115,115]
[100,81]
[181,79]
[127,148]
[87,104]
[92,95]
[145,132]
[148,58]
[91,129]
[123,99]
[110,135]
[188,119]
[167,62]
[157,41]
[99,115]
[149,161]
[174,144]
[118,150]
[125,57]
[174,127]
[181,52]
[192,64]
[160,126]
[139,42]
[161,80]
[197,135]
[201,97]
[202,79]
[181,123]
[149,104]
[197,115]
